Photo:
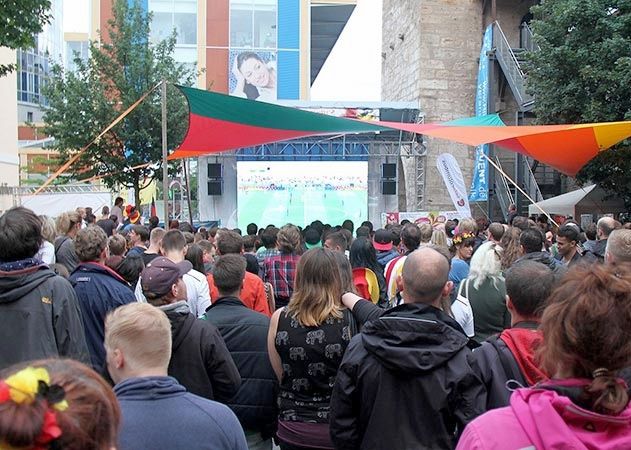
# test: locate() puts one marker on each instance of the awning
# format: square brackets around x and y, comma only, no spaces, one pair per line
[218,122]
[563,204]
[588,200]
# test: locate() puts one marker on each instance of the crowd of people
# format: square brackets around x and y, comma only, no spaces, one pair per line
[470,335]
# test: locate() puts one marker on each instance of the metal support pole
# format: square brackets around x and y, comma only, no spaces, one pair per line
[165,154]
[188,191]
[521,190]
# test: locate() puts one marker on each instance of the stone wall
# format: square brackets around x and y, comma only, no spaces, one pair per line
[435,63]
[430,53]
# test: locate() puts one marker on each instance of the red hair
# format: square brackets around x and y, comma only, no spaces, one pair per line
[89,423]
[586,328]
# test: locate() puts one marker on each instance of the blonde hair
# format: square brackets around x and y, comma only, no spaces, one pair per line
[66,221]
[619,245]
[486,263]
[426,232]
[439,238]
[467,226]
[49,229]
[143,332]
[289,239]
[317,288]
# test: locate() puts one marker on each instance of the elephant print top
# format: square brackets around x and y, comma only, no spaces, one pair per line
[310,358]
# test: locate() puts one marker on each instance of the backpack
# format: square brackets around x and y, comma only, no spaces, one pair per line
[504,360]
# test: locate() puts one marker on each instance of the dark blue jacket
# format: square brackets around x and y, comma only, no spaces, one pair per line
[245,334]
[384,258]
[159,414]
[99,290]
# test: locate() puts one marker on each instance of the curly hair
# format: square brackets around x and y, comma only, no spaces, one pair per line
[586,333]
[90,243]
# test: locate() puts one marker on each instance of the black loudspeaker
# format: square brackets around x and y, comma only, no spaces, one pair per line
[388,170]
[215,170]
[388,187]
[215,187]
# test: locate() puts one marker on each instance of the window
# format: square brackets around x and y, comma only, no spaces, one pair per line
[33,74]
[240,28]
[253,23]
[161,27]
[178,15]
[74,49]
[29,116]
[185,25]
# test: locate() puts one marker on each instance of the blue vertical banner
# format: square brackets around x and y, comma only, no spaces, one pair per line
[479,191]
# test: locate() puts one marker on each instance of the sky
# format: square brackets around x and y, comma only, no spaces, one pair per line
[352,72]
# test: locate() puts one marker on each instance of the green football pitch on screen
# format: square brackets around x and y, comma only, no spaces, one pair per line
[299,192]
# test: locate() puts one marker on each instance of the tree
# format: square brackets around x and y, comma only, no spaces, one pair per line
[118,72]
[20,21]
[582,74]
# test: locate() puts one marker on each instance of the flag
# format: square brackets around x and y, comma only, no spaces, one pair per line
[452,176]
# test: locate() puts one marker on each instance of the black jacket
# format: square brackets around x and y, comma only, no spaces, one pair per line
[405,383]
[494,363]
[245,334]
[39,317]
[557,267]
[598,252]
[200,360]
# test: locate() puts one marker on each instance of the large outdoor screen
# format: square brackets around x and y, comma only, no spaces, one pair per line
[300,192]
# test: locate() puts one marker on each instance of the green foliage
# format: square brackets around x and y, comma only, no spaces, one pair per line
[583,73]
[118,72]
[20,21]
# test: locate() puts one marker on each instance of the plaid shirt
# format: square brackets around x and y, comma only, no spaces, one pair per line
[265,253]
[280,271]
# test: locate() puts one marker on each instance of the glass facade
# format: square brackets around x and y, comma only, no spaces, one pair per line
[253,24]
[34,64]
[267,28]
[178,15]
[74,49]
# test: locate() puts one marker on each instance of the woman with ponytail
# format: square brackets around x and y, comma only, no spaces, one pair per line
[56,404]
[587,341]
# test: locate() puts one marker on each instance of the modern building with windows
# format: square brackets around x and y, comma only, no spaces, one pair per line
[291,37]
[34,67]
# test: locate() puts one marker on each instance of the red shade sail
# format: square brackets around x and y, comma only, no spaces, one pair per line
[221,122]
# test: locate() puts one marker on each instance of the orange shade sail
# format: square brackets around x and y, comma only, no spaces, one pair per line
[218,123]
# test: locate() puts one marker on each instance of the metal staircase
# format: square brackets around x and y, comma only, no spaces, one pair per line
[525,171]
[511,60]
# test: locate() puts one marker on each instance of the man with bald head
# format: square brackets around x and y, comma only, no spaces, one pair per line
[405,381]
[604,227]
[618,250]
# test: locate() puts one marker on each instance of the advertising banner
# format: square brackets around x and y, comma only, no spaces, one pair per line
[452,176]
[253,75]
[434,218]
[479,191]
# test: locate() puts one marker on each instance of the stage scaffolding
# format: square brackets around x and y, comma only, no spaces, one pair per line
[401,146]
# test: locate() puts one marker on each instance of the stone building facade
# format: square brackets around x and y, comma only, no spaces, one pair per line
[430,52]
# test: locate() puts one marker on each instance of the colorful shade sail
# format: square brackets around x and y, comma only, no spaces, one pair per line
[220,122]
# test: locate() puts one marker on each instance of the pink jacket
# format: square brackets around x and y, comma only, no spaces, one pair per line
[541,419]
